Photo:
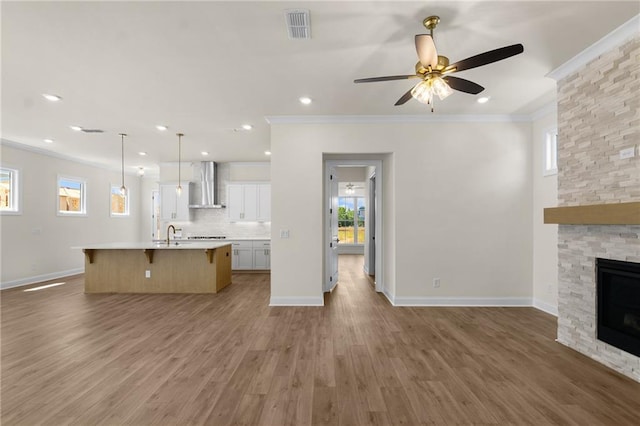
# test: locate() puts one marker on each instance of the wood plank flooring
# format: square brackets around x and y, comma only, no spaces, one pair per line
[229,359]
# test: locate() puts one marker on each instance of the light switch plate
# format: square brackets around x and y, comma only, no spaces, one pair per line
[284,233]
[628,153]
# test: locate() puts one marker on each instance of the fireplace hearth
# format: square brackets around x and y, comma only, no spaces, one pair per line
[618,300]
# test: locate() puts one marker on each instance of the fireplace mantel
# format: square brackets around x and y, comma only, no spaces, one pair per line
[595,214]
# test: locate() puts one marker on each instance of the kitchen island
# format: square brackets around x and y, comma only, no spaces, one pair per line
[177,267]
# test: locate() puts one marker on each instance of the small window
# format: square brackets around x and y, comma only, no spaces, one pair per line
[119,202]
[9,191]
[72,196]
[351,220]
[551,153]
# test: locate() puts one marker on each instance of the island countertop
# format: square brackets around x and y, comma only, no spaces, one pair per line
[173,245]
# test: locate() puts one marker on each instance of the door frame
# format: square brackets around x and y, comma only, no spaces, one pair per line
[379,220]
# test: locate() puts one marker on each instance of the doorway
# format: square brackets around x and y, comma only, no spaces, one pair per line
[372,244]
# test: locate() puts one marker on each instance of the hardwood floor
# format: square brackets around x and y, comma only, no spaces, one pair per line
[228,358]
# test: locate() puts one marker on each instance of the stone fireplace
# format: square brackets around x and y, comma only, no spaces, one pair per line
[598,116]
[618,310]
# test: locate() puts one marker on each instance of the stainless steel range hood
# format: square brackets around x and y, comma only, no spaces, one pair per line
[208,187]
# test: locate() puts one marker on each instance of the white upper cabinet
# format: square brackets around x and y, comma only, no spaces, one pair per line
[249,202]
[264,202]
[172,206]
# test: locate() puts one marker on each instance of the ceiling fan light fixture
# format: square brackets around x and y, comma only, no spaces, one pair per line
[349,189]
[441,88]
[433,85]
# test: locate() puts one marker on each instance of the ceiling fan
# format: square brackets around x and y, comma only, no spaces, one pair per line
[434,70]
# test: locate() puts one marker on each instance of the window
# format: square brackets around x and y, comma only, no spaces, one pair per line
[551,153]
[71,196]
[119,202]
[351,220]
[9,191]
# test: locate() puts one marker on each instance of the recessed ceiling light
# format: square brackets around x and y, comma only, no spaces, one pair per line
[48,140]
[484,99]
[142,153]
[305,100]
[247,126]
[267,153]
[76,128]
[52,98]
[204,153]
[140,171]
[161,127]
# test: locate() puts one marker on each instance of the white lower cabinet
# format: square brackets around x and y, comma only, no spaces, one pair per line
[250,255]
[261,255]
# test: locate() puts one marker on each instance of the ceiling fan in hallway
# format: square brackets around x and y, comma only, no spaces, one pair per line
[435,71]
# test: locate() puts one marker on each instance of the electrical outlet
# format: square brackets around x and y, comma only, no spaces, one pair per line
[284,233]
[147,273]
[627,153]
[436,283]
[549,288]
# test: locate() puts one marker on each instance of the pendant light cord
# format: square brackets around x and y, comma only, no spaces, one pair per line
[122,135]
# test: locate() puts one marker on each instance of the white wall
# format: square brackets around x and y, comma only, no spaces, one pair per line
[545,237]
[36,245]
[457,205]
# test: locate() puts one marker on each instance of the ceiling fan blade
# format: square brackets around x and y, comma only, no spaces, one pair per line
[463,85]
[387,78]
[403,100]
[426,49]
[485,58]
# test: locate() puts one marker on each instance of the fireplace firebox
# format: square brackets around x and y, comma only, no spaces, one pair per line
[618,300]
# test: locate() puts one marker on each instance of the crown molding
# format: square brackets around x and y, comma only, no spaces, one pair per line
[368,119]
[41,151]
[550,108]
[615,38]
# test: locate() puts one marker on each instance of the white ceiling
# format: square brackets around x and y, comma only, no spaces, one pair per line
[205,68]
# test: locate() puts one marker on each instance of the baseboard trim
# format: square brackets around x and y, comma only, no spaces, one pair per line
[461,301]
[545,307]
[40,278]
[389,296]
[297,301]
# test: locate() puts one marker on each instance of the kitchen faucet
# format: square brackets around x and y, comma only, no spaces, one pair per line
[174,232]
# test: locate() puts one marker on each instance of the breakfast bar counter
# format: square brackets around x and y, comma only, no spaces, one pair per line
[177,267]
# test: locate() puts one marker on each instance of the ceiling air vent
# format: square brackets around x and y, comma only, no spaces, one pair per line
[298,23]
[93,130]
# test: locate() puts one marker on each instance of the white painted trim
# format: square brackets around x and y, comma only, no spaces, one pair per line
[296,301]
[451,118]
[42,151]
[615,38]
[40,278]
[545,307]
[389,296]
[350,248]
[377,164]
[551,108]
[462,301]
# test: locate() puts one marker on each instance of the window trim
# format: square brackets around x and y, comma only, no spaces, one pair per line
[83,196]
[127,202]
[16,191]
[550,152]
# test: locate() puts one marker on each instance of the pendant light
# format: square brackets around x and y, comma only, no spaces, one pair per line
[179,187]
[123,189]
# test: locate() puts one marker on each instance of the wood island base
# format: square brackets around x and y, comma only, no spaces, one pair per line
[149,270]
